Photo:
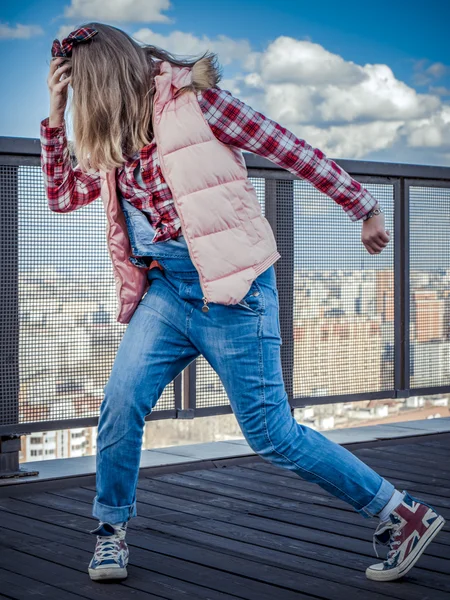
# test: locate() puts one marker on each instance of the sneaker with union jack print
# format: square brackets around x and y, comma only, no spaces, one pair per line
[412,526]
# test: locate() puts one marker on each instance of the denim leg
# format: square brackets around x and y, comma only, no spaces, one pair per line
[153,351]
[242,344]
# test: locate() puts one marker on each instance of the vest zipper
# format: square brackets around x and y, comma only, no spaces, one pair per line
[205,307]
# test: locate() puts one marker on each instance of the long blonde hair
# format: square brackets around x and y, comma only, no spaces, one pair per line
[112,96]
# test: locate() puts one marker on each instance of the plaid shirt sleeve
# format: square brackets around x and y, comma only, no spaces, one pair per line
[236,124]
[67,188]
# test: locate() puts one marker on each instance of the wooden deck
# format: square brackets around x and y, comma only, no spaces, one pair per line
[238,529]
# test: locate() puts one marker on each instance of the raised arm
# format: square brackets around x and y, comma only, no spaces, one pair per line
[67,188]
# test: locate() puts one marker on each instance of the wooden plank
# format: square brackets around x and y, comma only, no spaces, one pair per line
[162,511]
[292,495]
[172,558]
[379,462]
[258,494]
[168,587]
[340,542]
[225,560]
[329,512]
[221,524]
[427,493]
[63,578]
[401,460]
[351,528]
[150,502]
[362,528]
[156,554]
[20,587]
[385,472]
[442,446]
[400,482]
[54,509]
[423,453]
[295,581]
[377,459]
[420,441]
[356,529]
[241,493]
[442,504]
[285,552]
[44,512]
[198,503]
[154,501]
[434,446]
[228,497]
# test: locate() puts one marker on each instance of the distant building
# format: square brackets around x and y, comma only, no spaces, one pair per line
[385,295]
[67,443]
[337,356]
[430,364]
[429,316]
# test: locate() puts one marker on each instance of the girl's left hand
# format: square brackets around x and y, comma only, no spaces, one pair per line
[374,236]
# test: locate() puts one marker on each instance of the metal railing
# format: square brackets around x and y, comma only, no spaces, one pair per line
[354,327]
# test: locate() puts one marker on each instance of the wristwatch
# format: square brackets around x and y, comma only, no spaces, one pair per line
[373,213]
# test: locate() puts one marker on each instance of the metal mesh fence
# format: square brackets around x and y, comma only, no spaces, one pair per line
[68,332]
[343,299]
[209,389]
[429,286]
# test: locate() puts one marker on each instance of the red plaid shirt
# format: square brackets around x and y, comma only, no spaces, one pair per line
[233,123]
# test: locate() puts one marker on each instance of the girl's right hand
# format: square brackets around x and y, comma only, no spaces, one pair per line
[58,82]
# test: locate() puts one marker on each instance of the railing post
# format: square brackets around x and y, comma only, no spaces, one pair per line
[401,289]
[9,320]
[189,392]
[279,203]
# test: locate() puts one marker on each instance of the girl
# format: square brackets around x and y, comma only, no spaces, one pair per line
[161,143]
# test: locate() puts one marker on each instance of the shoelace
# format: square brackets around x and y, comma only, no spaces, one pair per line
[108,546]
[393,542]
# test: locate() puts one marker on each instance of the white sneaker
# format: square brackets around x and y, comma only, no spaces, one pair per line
[111,553]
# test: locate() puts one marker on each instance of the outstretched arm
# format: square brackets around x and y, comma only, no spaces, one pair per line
[235,123]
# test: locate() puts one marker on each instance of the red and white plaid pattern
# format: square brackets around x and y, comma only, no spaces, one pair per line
[233,123]
[64,48]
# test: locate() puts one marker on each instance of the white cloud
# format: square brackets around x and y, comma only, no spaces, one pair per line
[432,132]
[295,61]
[184,44]
[19,31]
[128,11]
[347,110]
[64,31]
[352,140]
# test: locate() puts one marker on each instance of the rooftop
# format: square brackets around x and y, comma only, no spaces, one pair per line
[229,528]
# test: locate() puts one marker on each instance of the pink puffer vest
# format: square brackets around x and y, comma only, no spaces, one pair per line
[229,241]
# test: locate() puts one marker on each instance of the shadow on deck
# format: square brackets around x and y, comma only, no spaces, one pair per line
[238,529]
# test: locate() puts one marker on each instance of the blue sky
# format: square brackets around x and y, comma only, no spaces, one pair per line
[413,45]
